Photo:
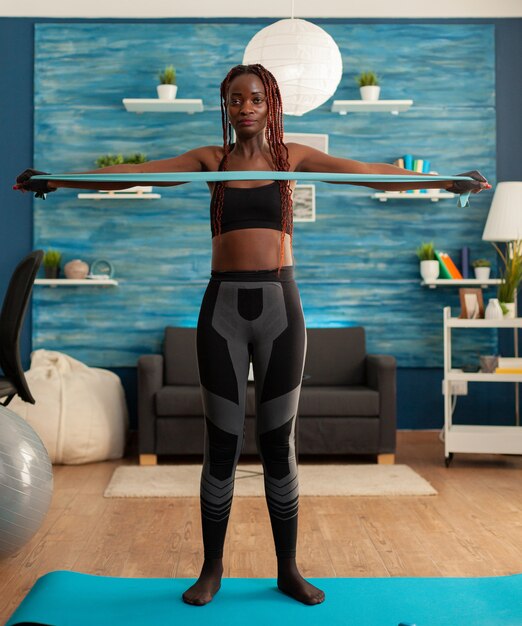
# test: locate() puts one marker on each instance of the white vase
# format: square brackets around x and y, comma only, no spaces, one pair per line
[370,92]
[510,306]
[429,270]
[167,92]
[493,310]
[76,269]
[482,273]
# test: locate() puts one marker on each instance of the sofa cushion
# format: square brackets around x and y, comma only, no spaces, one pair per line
[335,356]
[185,400]
[179,400]
[338,401]
[181,364]
[332,401]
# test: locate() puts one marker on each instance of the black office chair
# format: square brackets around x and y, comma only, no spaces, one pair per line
[12,317]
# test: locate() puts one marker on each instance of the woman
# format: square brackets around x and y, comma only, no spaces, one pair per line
[251,309]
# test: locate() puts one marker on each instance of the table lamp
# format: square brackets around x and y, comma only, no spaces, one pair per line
[504,224]
[504,221]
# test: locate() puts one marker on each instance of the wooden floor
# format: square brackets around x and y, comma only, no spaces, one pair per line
[473,527]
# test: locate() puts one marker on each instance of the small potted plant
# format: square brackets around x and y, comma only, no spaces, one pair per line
[482,269]
[167,88]
[118,159]
[511,276]
[429,266]
[369,86]
[51,263]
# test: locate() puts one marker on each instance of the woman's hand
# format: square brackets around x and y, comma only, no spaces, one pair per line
[24,183]
[474,186]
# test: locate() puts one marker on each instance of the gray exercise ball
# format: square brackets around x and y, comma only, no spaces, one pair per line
[26,482]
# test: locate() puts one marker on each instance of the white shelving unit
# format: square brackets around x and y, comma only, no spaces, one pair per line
[155,105]
[358,106]
[384,196]
[72,282]
[476,439]
[461,282]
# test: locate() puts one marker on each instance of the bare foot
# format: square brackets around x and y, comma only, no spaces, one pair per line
[290,582]
[207,585]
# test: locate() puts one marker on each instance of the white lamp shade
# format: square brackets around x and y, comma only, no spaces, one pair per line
[504,221]
[304,59]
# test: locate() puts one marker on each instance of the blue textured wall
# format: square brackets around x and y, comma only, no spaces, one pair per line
[355,264]
[419,399]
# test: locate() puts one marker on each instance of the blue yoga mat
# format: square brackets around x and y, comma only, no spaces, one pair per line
[73,599]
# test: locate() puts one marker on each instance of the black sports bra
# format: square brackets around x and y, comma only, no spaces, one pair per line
[248,207]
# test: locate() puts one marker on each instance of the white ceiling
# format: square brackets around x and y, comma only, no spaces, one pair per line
[266,8]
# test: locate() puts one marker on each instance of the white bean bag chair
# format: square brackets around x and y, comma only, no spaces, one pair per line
[80,412]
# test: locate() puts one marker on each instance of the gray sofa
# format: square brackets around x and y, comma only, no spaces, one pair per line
[347,403]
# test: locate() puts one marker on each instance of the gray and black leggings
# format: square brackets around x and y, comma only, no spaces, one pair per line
[250,315]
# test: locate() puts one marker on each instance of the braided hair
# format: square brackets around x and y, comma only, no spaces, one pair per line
[274,136]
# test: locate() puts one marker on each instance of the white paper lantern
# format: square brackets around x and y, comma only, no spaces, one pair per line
[304,59]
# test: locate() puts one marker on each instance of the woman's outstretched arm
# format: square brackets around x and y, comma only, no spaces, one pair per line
[309,159]
[191,161]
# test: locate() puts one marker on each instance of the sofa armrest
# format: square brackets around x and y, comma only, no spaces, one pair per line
[381,375]
[150,380]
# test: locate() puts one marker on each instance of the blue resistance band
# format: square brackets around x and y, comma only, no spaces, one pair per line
[189,177]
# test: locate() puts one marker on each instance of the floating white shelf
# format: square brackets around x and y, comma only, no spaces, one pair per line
[155,105]
[119,196]
[384,196]
[461,282]
[358,106]
[69,282]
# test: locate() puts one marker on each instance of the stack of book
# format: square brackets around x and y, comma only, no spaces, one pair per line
[422,166]
[448,269]
[509,365]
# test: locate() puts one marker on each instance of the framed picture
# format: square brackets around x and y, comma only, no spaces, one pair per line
[304,203]
[314,140]
[471,304]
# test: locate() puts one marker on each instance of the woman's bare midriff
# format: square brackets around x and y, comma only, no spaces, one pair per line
[249,249]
